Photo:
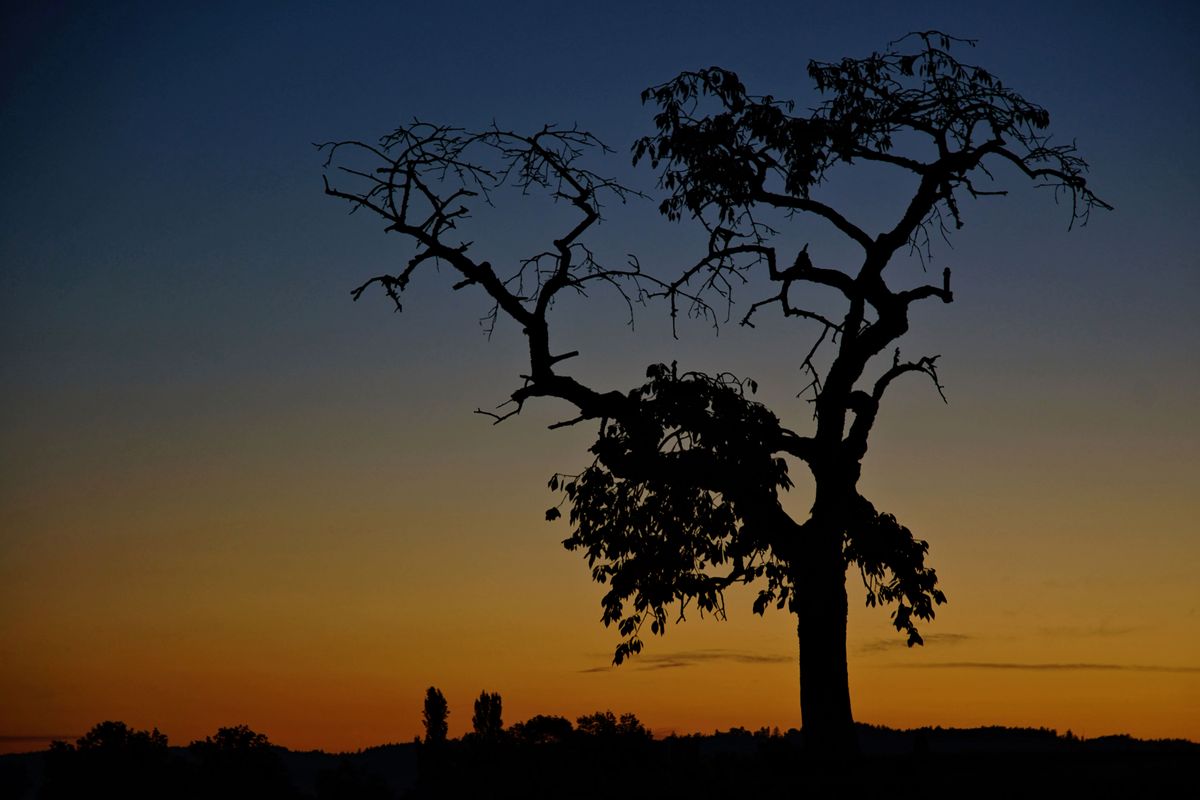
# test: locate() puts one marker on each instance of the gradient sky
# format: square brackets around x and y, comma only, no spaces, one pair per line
[230,495]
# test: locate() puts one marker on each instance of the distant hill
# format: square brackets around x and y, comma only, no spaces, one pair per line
[924,762]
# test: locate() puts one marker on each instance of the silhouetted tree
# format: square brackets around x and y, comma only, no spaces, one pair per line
[486,720]
[119,737]
[111,760]
[542,729]
[434,715]
[236,739]
[239,762]
[682,499]
[605,723]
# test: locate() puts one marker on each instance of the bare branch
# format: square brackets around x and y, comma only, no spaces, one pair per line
[820,209]
[498,418]
[925,364]
[921,292]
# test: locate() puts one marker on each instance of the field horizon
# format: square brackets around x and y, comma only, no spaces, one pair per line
[525,762]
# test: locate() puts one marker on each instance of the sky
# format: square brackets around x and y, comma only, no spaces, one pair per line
[231,495]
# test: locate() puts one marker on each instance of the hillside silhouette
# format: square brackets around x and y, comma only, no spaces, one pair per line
[603,755]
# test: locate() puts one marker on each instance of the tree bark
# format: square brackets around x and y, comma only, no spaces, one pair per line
[826,717]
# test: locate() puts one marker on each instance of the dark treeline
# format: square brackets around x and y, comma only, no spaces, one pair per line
[599,755]
[114,760]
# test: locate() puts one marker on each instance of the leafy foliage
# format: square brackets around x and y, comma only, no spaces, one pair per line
[660,537]
[722,149]
[719,159]
[659,507]
[892,563]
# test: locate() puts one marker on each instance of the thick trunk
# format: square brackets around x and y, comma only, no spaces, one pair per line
[824,682]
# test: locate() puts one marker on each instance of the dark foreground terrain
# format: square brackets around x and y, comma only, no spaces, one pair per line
[557,761]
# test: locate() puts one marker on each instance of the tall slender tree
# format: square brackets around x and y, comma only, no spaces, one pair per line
[682,498]
[434,716]
[486,721]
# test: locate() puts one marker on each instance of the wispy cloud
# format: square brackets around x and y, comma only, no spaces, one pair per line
[691,658]
[1102,630]
[899,642]
[1050,666]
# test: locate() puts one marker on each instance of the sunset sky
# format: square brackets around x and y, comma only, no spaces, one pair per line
[228,494]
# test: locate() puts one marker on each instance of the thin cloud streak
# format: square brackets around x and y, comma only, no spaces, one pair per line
[1050,667]
[692,658]
[895,642]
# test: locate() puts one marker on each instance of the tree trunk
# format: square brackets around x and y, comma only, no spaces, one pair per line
[824,681]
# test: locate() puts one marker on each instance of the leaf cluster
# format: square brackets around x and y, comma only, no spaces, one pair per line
[870,100]
[720,159]
[669,514]
[722,150]
[661,514]
[892,564]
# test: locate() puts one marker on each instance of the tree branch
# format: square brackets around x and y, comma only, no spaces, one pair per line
[813,207]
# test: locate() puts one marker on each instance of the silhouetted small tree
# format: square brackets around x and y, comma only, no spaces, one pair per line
[682,499]
[542,729]
[486,721]
[434,716]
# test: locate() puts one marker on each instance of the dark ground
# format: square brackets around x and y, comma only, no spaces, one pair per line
[989,762]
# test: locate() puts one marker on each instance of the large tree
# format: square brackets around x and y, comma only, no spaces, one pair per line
[682,499]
